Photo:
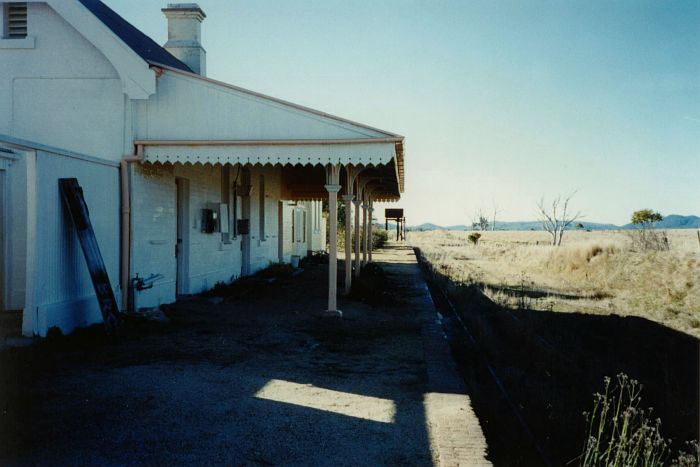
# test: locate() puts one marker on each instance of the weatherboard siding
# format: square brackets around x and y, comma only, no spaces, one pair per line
[186,108]
[64,295]
[62,92]
[154,229]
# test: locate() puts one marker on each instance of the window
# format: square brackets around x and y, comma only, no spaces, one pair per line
[15,24]
[261,206]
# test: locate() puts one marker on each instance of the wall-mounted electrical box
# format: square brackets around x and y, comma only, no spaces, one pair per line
[243,226]
[210,220]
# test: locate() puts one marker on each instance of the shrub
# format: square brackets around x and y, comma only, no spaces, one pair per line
[276,270]
[619,433]
[316,257]
[645,238]
[255,284]
[371,286]
[54,332]
[474,237]
[574,257]
[379,238]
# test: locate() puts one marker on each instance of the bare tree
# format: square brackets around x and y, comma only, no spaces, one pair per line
[496,211]
[555,218]
[480,221]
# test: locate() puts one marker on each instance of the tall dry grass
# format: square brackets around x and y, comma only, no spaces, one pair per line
[592,272]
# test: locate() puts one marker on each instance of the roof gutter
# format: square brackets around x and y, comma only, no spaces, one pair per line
[269,142]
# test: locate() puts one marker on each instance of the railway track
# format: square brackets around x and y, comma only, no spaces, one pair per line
[531,373]
[448,309]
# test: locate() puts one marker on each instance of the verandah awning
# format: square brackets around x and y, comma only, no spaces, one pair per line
[383,153]
[367,152]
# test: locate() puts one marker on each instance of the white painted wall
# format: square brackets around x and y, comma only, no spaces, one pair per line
[16,234]
[58,90]
[288,241]
[62,92]
[314,240]
[210,261]
[263,251]
[185,106]
[63,291]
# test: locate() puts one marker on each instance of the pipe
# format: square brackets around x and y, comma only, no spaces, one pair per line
[126,221]
[263,142]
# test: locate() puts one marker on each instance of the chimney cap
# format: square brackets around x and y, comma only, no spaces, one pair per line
[184,9]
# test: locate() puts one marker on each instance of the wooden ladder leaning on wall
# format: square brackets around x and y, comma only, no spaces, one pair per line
[72,195]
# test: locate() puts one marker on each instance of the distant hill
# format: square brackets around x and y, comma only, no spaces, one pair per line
[425,227]
[672,221]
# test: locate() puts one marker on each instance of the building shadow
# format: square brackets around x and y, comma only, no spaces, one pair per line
[257,380]
[551,364]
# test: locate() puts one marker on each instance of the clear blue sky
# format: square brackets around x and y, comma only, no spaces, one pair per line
[499,101]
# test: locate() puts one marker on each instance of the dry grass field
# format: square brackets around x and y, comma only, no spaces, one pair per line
[592,272]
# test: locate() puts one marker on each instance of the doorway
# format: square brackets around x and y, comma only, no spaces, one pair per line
[245,215]
[182,246]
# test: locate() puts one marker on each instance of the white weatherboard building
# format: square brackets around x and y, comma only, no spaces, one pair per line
[186,178]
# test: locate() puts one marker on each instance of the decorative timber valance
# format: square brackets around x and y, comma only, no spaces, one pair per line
[366,152]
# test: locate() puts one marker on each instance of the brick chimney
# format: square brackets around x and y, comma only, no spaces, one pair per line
[184,35]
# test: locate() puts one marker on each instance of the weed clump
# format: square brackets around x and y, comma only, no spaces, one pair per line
[571,258]
[276,271]
[315,258]
[251,285]
[371,286]
[474,238]
[619,433]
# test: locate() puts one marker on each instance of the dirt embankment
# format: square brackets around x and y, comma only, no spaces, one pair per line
[551,363]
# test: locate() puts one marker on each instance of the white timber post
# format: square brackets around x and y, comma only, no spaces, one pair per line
[371,210]
[356,202]
[333,187]
[348,243]
[361,234]
[365,229]
[351,175]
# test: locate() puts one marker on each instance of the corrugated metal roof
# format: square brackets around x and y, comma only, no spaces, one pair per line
[139,42]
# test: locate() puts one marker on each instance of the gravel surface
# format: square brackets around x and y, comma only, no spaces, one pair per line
[256,379]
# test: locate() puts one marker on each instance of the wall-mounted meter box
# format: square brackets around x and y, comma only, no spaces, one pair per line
[243,226]
[210,220]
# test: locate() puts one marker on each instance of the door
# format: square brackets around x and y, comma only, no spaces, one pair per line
[245,214]
[182,247]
